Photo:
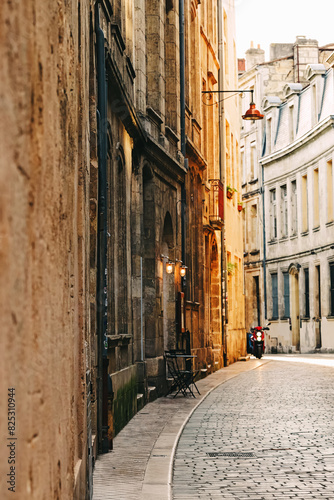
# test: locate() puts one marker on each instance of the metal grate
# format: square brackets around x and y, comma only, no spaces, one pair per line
[231,454]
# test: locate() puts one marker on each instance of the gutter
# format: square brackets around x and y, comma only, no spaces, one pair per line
[308,136]
[183,136]
[101,287]
[224,315]
[264,248]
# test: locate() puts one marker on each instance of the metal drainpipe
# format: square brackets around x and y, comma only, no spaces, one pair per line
[102,387]
[264,249]
[222,173]
[183,134]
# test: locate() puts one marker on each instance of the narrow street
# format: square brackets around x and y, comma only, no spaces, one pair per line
[261,429]
[264,434]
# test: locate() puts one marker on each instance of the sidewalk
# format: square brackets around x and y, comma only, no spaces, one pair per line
[140,465]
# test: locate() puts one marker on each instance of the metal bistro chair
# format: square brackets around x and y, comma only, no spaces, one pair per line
[182,379]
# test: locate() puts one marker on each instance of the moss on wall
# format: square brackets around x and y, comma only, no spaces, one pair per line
[125,404]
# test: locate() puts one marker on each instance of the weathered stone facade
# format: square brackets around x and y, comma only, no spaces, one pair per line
[102,185]
[44,228]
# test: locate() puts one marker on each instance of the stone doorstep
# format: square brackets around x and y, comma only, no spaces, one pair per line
[244,358]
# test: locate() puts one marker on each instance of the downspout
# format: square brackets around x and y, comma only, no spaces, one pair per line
[222,174]
[264,248]
[183,135]
[182,79]
[101,314]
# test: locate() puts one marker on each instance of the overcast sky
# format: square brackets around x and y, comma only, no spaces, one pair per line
[279,21]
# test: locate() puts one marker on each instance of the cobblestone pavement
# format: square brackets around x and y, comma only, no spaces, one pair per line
[139,467]
[266,434]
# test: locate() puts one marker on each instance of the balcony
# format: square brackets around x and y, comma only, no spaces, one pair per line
[216,204]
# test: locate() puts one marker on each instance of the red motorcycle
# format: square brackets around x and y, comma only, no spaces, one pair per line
[256,340]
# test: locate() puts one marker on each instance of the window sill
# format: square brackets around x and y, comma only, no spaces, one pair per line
[329,224]
[285,318]
[293,236]
[316,229]
[305,233]
[306,318]
[284,238]
[253,181]
[272,242]
[330,318]
[276,320]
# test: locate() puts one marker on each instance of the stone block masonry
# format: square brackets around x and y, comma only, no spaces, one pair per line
[43,218]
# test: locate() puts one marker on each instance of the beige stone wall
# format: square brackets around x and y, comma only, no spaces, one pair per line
[43,257]
[236,338]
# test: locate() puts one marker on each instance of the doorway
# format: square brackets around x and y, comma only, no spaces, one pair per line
[295,313]
[317,308]
[168,287]
[256,303]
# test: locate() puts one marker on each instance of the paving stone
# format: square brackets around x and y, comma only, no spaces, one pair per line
[281,415]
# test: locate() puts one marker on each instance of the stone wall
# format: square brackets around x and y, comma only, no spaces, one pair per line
[43,230]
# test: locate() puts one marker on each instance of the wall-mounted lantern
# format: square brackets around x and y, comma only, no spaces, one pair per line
[169,267]
[183,271]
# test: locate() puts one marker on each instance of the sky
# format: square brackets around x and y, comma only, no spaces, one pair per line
[280,21]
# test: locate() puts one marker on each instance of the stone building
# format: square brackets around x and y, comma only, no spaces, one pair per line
[267,78]
[298,195]
[113,167]
[233,230]
[44,233]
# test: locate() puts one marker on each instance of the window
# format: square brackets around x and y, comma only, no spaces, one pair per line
[304,205]
[294,222]
[284,211]
[268,139]
[242,164]
[228,153]
[316,219]
[273,215]
[286,294]
[226,61]
[331,273]
[314,105]
[307,292]
[291,124]
[329,191]
[274,294]
[253,160]
[256,299]
[253,227]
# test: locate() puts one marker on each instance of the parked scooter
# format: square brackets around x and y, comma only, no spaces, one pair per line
[255,341]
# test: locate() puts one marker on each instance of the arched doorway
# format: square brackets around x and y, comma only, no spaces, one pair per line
[149,263]
[215,307]
[294,304]
[168,287]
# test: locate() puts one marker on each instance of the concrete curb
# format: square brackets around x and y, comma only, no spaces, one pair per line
[158,476]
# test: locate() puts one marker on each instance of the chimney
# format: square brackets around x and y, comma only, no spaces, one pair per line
[241,65]
[305,51]
[254,56]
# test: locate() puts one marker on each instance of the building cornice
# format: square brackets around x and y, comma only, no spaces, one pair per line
[166,162]
[211,49]
[194,154]
[309,136]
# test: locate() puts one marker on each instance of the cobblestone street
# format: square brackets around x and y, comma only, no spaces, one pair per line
[264,434]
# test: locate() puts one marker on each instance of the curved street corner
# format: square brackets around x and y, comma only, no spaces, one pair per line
[265,434]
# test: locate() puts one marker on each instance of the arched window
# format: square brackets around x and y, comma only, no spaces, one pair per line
[121,242]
